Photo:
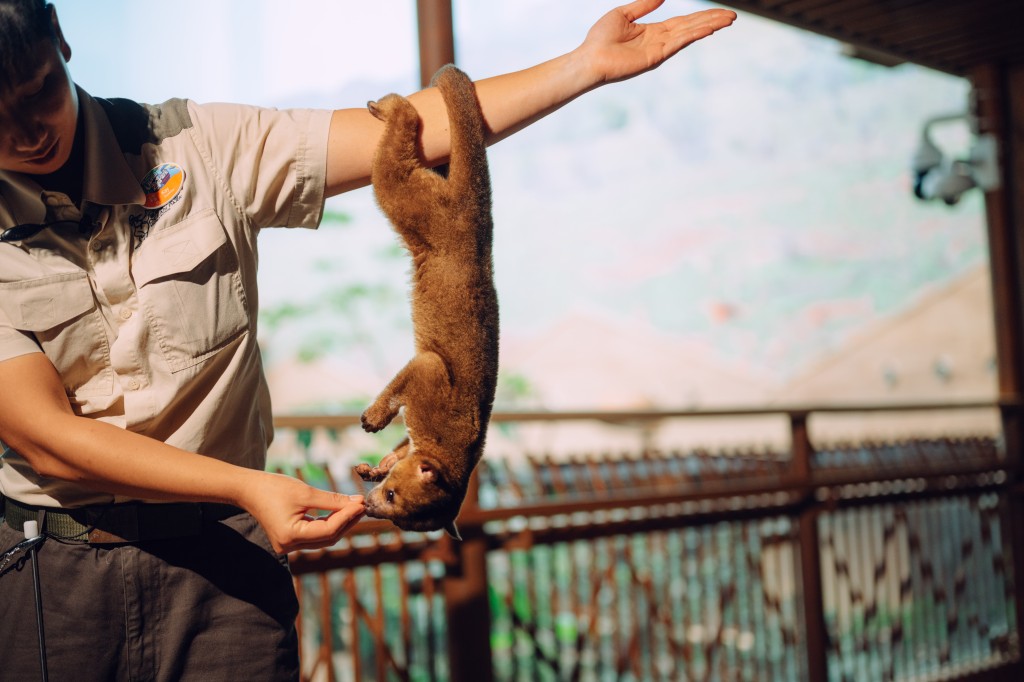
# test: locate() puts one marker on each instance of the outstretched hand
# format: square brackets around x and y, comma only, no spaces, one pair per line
[284,506]
[619,47]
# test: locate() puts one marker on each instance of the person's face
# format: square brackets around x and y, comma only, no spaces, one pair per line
[38,116]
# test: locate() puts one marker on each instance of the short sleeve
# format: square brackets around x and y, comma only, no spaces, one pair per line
[274,162]
[14,342]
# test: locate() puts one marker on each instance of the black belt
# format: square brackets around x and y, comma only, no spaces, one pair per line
[118,523]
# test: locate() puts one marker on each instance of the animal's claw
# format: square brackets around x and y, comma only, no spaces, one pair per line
[369,425]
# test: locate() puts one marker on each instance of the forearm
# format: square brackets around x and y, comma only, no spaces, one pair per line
[107,458]
[37,422]
[509,103]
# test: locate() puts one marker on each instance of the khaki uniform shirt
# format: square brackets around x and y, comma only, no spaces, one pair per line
[150,319]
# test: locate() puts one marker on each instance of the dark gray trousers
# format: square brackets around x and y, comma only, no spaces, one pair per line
[217,606]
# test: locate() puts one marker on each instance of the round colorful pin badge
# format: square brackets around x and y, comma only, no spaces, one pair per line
[162,184]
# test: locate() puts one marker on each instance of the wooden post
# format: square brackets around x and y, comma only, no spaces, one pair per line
[1000,112]
[809,556]
[801,448]
[999,105]
[815,629]
[468,611]
[437,38]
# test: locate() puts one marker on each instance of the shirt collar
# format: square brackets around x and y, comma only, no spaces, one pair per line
[108,179]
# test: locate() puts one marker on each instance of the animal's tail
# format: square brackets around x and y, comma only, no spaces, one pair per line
[468,161]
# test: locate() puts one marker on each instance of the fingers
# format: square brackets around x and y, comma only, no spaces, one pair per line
[715,18]
[314,532]
[324,499]
[640,8]
[691,28]
[330,527]
[324,531]
[712,19]
[286,507]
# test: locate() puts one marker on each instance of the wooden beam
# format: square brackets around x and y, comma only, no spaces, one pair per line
[838,27]
[634,417]
[437,37]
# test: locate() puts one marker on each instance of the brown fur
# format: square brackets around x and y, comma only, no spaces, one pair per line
[448,387]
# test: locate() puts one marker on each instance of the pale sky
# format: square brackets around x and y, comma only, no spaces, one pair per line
[262,52]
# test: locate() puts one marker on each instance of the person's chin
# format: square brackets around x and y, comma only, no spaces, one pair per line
[48,162]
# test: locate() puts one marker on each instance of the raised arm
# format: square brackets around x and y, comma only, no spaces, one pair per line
[37,422]
[616,48]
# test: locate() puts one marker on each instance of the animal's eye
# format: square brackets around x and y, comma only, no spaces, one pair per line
[391,495]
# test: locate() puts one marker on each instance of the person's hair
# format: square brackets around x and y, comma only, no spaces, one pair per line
[23,23]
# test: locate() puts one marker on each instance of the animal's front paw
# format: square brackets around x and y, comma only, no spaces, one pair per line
[368,473]
[383,108]
[377,473]
[376,417]
[369,425]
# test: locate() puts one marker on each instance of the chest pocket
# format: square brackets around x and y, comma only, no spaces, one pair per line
[60,311]
[190,289]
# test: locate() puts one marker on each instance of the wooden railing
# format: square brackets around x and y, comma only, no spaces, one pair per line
[856,561]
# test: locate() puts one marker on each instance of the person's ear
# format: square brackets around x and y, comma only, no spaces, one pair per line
[65,49]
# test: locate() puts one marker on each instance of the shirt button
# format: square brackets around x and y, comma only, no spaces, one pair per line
[125,313]
[133,384]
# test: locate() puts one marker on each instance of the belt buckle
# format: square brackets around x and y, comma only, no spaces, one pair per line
[98,536]
[120,526]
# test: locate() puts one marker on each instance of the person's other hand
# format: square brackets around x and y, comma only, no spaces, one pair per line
[286,508]
[619,47]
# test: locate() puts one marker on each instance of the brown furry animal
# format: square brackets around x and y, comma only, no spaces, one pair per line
[447,389]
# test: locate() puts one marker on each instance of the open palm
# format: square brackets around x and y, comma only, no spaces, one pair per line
[619,47]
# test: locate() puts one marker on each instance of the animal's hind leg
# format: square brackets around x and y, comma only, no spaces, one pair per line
[468,166]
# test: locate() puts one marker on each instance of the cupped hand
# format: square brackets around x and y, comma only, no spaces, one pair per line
[286,508]
[619,47]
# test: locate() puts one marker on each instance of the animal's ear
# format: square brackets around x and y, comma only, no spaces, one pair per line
[452,530]
[428,471]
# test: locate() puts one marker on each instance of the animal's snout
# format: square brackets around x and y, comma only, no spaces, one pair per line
[373,511]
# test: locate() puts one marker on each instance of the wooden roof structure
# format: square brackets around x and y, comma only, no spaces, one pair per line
[955,36]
